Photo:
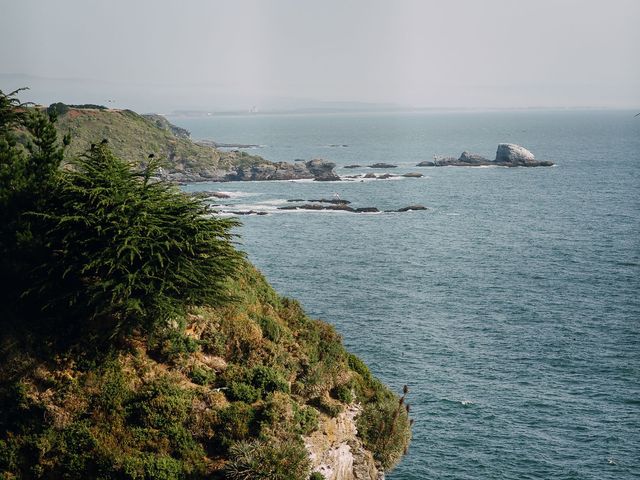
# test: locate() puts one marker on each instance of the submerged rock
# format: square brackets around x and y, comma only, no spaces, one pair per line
[382,165]
[413,175]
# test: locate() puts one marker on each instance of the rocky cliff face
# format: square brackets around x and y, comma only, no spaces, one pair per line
[336,451]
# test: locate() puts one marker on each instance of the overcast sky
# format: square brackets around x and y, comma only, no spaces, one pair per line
[157,54]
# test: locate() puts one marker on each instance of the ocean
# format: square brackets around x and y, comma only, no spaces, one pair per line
[511,307]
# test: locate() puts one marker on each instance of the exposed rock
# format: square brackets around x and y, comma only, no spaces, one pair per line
[511,155]
[248,212]
[367,210]
[508,155]
[322,170]
[413,175]
[314,206]
[206,194]
[411,207]
[336,201]
[370,175]
[473,159]
[317,169]
[352,166]
[336,451]
[382,165]
[514,154]
[385,176]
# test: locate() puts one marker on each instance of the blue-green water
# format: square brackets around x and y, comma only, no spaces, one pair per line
[511,308]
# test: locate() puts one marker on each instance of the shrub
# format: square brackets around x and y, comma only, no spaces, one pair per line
[385,430]
[160,404]
[274,460]
[171,344]
[236,422]
[268,379]
[270,328]
[358,366]
[328,406]
[305,419]
[317,476]
[242,392]
[342,393]
[127,250]
[202,376]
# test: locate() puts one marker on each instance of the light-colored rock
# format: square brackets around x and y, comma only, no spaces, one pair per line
[336,451]
[510,153]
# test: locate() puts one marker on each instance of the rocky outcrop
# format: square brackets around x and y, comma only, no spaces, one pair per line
[382,165]
[473,159]
[322,170]
[511,155]
[319,170]
[508,155]
[411,208]
[336,451]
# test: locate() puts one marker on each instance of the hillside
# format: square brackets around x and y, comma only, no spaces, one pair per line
[137,342]
[257,373]
[134,137]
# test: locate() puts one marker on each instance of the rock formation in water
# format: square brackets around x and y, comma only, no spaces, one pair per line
[507,155]
[317,169]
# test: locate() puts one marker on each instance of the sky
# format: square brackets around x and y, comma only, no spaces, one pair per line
[155,55]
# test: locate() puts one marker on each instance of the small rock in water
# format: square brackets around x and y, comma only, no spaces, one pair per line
[412,207]
[382,165]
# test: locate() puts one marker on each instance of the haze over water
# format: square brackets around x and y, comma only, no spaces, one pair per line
[511,307]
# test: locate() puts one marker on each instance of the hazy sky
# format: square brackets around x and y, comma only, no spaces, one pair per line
[157,54]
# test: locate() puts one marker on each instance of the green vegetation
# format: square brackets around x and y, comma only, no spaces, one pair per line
[133,137]
[137,343]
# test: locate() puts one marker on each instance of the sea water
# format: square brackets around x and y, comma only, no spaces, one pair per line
[511,307]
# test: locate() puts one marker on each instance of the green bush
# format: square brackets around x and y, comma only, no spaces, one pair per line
[242,392]
[317,476]
[267,379]
[171,344]
[213,342]
[305,419]
[160,404]
[202,376]
[270,328]
[273,460]
[384,429]
[328,406]
[343,393]
[236,422]
[358,366]
[126,250]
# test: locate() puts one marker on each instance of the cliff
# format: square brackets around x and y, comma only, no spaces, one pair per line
[135,137]
[179,404]
[136,341]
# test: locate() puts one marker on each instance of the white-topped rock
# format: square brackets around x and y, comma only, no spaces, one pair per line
[512,154]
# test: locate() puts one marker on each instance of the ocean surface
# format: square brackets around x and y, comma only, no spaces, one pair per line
[511,307]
